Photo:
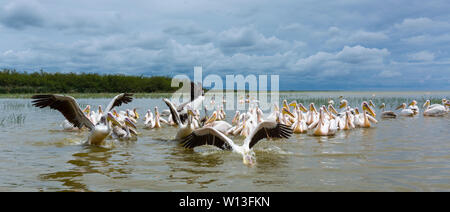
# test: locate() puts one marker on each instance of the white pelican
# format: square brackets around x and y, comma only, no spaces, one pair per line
[157,123]
[413,106]
[211,136]
[123,131]
[148,119]
[184,129]
[367,119]
[405,111]
[219,125]
[386,114]
[343,106]
[68,106]
[299,125]
[348,121]
[312,115]
[435,109]
[322,126]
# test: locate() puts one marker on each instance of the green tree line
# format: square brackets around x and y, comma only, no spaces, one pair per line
[12,81]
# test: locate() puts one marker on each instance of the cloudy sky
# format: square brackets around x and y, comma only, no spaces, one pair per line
[333,45]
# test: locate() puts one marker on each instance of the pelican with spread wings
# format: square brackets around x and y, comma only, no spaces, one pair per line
[69,107]
[211,136]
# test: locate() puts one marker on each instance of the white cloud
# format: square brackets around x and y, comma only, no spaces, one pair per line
[422,56]
[389,74]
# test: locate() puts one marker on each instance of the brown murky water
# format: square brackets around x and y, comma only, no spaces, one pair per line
[403,154]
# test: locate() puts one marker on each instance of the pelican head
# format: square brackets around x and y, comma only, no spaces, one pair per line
[293,104]
[367,108]
[330,102]
[312,108]
[130,122]
[447,103]
[110,117]
[427,103]
[382,106]
[413,103]
[285,104]
[302,108]
[444,101]
[332,109]
[136,113]
[249,158]
[87,110]
[371,104]
[402,106]
[344,103]
[100,111]
[212,118]
[285,111]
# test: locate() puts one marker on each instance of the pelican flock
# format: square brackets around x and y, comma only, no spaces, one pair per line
[213,129]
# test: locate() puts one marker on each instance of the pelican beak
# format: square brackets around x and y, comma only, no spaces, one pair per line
[293,104]
[115,113]
[211,119]
[332,109]
[399,107]
[110,117]
[130,123]
[87,110]
[382,106]
[285,111]
[285,104]
[343,104]
[312,108]
[302,108]
[369,109]
[136,113]
[371,104]
[100,109]
[356,111]
[447,103]
[412,103]
[190,112]
[427,103]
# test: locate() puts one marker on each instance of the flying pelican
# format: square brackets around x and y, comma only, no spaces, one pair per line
[69,107]
[435,109]
[211,136]
[386,114]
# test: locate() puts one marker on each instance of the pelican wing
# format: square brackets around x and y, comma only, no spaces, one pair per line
[173,111]
[268,129]
[118,100]
[207,136]
[67,105]
[196,91]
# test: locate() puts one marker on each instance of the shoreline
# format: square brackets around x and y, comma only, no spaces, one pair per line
[167,95]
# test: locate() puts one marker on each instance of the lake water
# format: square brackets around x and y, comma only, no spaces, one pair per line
[403,154]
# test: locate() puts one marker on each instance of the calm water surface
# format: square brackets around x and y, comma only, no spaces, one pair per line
[403,154]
